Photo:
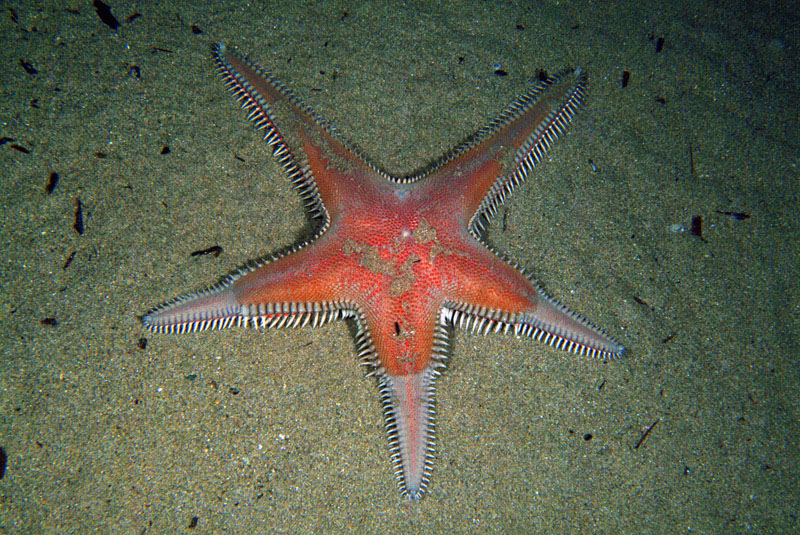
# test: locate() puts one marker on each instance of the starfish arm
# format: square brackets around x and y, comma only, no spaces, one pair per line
[213,307]
[408,394]
[558,326]
[486,168]
[307,147]
[504,299]
[408,406]
[546,320]
[402,341]
[275,291]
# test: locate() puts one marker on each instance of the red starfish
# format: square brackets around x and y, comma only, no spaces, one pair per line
[402,256]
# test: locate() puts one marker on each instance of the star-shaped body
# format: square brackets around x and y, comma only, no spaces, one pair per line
[402,257]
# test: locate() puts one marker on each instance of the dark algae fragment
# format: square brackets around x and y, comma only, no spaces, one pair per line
[104,12]
[738,216]
[28,66]
[646,434]
[15,146]
[697,226]
[78,225]
[215,250]
[69,260]
[51,183]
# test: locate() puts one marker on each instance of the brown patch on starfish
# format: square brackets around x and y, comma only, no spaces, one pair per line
[404,277]
[370,259]
[424,232]
[401,333]
[407,357]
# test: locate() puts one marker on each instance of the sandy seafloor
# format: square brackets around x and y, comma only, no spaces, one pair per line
[278,431]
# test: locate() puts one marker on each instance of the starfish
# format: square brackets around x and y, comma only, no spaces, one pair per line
[403,257]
